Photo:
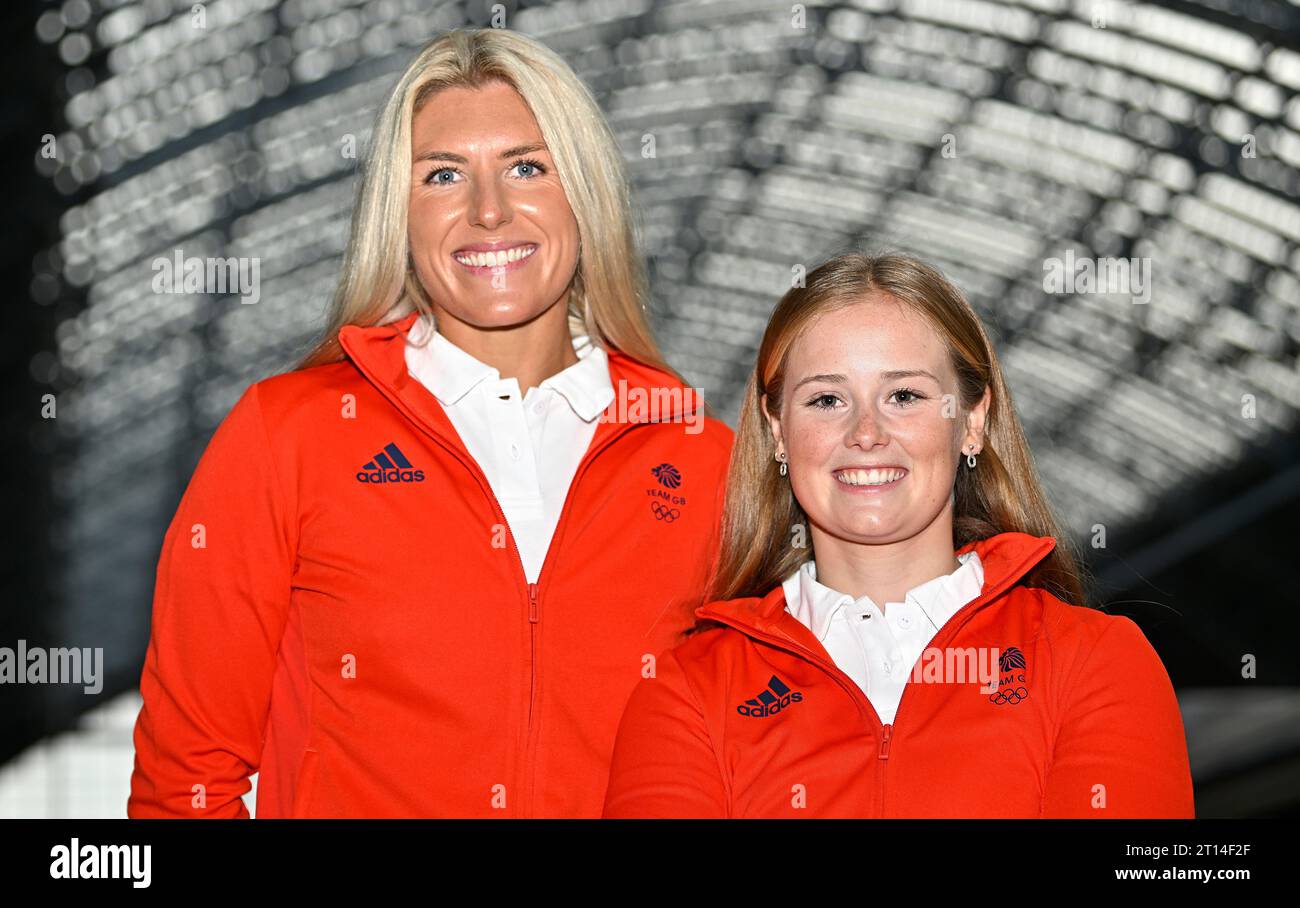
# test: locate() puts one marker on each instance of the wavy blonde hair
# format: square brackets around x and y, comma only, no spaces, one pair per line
[1003,494]
[378,284]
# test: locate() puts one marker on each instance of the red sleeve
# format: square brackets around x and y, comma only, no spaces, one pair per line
[1120,749]
[220,601]
[664,764]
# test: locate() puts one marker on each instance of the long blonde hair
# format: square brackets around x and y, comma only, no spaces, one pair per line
[378,283]
[1002,495]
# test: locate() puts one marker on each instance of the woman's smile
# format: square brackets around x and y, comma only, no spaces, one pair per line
[869,480]
[498,261]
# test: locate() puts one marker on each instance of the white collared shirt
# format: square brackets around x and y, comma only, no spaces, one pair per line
[529,446]
[878,649]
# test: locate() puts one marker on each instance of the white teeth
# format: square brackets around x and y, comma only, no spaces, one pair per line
[869,477]
[495,259]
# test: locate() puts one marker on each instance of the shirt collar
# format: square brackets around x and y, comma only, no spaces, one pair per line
[450,373]
[815,604]
[586,384]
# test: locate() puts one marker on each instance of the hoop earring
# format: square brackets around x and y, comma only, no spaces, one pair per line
[970,459]
[783,470]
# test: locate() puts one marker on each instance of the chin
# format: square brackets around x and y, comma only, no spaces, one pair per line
[499,315]
[874,535]
[859,531]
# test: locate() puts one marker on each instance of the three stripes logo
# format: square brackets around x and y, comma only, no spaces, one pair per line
[770,701]
[389,465]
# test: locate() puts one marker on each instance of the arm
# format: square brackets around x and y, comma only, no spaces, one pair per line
[220,601]
[664,764]
[1121,730]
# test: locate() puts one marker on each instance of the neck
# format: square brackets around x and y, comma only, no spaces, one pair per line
[886,571]
[530,353]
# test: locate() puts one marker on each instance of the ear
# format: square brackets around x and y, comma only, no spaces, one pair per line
[976,420]
[773,424]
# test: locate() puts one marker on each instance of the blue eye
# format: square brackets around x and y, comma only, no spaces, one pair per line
[915,395]
[816,404]
[537,166]
[430,177]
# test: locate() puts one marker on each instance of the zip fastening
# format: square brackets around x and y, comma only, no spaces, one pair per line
[947,633]
[864,704]
[885,734]
[477,472]
[534,606]
[533,618]
[534,590]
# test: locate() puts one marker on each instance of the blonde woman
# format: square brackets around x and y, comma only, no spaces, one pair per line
[420,575]
[899,628]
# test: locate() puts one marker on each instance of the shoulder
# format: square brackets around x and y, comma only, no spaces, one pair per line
[691,444]
[302,402]
[644,387]
[280,394]
[1080,636]
[716,437]
[711,649]
[1075,622]
[690,673]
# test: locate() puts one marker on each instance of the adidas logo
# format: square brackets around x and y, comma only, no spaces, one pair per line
[771,701]
[389,465]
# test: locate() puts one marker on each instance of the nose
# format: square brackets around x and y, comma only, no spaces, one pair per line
[867,429]
[489,205]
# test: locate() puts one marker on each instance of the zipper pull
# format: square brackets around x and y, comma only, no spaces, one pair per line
[532,603]
[884,742]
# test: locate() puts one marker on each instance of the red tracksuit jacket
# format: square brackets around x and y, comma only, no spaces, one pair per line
[1084,722]
[340,606]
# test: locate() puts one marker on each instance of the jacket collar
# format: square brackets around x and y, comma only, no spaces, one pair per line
[1006,557]
[379,352]
[451,373]
[938,599]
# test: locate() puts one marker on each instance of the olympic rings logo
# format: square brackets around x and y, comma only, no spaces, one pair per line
[1009,695]
[663,513]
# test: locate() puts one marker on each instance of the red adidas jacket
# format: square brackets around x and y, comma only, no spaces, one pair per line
[340,606]
[1084,722]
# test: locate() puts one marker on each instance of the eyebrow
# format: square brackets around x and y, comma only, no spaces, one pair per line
[838,379]
[833,379]
[459,159]
[909,373]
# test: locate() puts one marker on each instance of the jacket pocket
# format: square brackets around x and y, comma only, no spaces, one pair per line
[305,786]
